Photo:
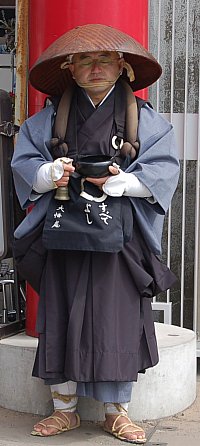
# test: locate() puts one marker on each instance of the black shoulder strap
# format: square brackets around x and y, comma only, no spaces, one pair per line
[62,115]
[54,100]
[140,103]
[128,117]
[57,145]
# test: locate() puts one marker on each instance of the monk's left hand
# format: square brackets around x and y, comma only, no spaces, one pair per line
[100,181]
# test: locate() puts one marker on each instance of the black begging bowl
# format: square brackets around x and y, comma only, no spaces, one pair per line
[94,166]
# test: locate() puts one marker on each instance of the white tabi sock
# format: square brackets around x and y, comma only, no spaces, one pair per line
[116,408]
[64,396]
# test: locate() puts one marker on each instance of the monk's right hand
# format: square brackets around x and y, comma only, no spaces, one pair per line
[64,180]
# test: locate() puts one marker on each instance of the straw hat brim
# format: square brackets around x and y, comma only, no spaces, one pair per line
[48,77]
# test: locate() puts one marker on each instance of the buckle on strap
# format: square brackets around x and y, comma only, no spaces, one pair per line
[9,129]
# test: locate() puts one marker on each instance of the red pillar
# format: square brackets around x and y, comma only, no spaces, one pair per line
[48,20]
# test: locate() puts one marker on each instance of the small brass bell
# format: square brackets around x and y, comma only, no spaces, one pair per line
[62,193]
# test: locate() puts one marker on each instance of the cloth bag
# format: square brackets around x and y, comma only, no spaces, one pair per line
[88,223]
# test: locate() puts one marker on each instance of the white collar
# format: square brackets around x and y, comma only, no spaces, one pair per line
[110,91]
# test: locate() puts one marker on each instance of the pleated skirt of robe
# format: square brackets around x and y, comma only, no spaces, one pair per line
[95,319]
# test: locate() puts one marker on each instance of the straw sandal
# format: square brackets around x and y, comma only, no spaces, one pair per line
[125,428]
[62,425]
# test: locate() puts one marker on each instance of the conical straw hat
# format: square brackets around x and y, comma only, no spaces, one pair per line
[48,77]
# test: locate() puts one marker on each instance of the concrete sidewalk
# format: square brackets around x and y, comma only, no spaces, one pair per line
[182,429]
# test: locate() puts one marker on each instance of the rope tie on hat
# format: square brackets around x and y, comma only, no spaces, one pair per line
[105,83]
[130,72]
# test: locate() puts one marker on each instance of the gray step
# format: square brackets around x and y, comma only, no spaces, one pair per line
[163,390]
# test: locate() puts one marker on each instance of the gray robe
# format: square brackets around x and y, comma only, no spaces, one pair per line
[157,166]
[95,322]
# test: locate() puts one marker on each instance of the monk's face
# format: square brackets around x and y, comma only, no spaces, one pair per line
[96,72]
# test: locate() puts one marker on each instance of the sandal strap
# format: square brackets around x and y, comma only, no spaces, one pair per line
[64,398]
[137,428]
[121,428]
[61,423]
[116,420]
[42,424]
[66,418]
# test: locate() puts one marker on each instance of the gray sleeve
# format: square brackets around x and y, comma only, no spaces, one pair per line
[31,152]
[157,165]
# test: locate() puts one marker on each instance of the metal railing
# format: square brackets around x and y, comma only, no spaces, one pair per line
[174,40]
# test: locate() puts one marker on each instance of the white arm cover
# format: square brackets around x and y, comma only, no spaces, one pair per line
[46,175]
[125,184]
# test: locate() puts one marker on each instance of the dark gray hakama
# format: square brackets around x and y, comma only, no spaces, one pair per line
[95,317]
